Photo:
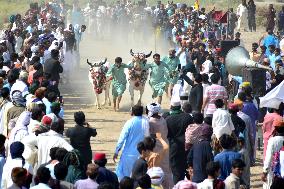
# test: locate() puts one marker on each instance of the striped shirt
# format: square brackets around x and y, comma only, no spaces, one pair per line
[213,93]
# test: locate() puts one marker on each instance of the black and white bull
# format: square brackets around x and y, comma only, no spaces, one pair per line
[138,75]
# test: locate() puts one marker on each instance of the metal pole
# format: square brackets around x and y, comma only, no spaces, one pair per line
[228,17]
[155,39]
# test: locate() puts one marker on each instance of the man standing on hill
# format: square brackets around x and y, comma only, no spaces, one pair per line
[271,17]
[242,13]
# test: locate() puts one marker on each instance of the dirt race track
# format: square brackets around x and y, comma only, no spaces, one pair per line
[80,96]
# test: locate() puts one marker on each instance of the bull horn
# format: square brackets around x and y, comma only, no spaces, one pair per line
[131,52]
[90,64]
[148,55]
[105,61]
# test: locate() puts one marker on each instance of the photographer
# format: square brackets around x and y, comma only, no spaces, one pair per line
[80,137]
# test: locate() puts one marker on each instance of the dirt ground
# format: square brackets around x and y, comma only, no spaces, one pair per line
[80,96]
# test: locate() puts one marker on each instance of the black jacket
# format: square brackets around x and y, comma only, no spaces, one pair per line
[177,125]
[199,155]
[80,140]
[108,176]
[196,97]
[52,68]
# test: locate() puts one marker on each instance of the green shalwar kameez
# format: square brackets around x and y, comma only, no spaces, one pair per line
[158,78]
[118,79]
[173,69]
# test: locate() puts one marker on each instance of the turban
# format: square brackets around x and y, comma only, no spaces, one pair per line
[34,49]
[46,120]
[245,84]
[156,174]
[99,156]
[24,118]
[17,149]
[175,103]
[186,185]
[278,123]
[238,102]
[18,99]
[233,106]
[153,109]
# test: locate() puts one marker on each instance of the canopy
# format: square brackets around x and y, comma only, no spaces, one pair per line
[220,16]
[273,98]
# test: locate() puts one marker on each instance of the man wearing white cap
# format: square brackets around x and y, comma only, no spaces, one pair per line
[21,83]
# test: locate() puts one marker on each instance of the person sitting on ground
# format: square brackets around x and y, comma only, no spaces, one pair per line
[105,175]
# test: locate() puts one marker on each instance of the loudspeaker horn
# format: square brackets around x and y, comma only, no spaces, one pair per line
[237,59]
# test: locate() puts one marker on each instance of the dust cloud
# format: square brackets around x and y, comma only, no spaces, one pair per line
[114,41]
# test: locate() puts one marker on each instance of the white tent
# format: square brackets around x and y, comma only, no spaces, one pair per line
[273,98]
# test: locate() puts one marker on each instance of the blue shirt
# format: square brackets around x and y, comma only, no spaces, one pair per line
[48,108]
[225,159]
[2,163]
[239,79]
[270,40]
[132,133]
[273,59]
[7,85]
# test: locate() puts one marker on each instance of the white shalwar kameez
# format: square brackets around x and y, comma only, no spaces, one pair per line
[274,145]
[242,12]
